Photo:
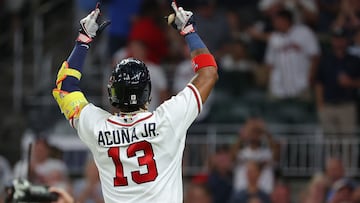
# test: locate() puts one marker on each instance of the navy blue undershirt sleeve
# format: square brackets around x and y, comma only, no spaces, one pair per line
[76,61]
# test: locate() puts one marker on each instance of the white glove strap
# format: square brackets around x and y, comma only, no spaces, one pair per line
[188,29]
[83,38]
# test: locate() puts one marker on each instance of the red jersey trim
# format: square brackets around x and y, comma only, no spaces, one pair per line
[196,97]
[130,124]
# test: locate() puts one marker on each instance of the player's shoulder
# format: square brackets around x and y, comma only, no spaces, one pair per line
[184,99]
[92,109]
[90,115]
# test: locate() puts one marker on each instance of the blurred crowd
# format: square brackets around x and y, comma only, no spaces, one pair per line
[304,51]
[46,167]
[297,50]
[247,171]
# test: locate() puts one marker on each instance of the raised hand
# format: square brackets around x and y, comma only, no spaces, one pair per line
[181,20]
[89,28]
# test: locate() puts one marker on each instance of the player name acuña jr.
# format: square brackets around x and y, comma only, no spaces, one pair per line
[126,135]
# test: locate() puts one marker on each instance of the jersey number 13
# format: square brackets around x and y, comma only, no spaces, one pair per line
[146,160]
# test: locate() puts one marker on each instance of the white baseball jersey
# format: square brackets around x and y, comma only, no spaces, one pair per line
[140,157]
[290,56]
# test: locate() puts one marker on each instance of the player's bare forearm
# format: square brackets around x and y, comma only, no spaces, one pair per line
[203,61]
[204,81]
[205,78]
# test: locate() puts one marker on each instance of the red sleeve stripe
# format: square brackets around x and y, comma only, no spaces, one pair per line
[130,124]
[197,97]
[72,122]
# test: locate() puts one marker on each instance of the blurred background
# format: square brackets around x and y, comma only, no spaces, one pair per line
[281,125]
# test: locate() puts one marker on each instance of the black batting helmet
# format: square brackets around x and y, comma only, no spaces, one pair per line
[129,87]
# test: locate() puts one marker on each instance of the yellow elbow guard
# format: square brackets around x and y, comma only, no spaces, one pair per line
[64,72]
[69,103]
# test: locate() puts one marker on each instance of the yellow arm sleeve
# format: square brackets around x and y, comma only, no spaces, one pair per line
[70,103]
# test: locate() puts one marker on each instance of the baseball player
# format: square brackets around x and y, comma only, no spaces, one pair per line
[138,153]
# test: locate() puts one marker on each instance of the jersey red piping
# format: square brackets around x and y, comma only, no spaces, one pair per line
[196,96]
[131,124]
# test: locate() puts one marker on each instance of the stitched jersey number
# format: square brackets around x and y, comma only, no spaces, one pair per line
[146,160]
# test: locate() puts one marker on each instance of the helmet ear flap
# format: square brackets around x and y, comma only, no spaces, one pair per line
[112,96]
[147,92]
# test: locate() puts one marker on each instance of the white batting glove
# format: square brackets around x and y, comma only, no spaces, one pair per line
[89,28]
[182,20]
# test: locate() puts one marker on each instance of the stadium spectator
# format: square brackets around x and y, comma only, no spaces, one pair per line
[63,195]
[43,168]
[249,147]
[334,170]
[237,59]
[253,190]
[159,87]
[147,28]
[304,11]
[239,70]
[234,22]
[349,16]
[356,195]
[320,186]
[337,80]
[254,200]
[328,10]
[292,56]
[354,49]
[88,189]
[281,194]
[220,176]
[5,176]
[259,32]
[315,191]
[247,11]
[341,191]
[212,25]
[122,15]
[197,193]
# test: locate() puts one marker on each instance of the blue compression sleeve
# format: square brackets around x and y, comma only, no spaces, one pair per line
[76,61]
[194,41]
